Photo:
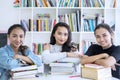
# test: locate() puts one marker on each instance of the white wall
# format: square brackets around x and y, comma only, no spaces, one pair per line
[9,15]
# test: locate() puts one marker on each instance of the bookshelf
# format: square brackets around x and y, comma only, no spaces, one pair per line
[81,15]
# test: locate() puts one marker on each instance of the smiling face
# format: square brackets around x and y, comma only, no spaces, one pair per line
[16,37]
[103,37]
[61,35]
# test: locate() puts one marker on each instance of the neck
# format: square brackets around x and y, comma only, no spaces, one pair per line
[107,46]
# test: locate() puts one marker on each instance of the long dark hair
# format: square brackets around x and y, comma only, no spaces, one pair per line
[105,26]
[21,48]
[66,46]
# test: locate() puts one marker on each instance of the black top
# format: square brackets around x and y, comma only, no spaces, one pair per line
[112,51]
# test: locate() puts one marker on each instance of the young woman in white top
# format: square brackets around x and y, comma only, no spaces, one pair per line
[60,44]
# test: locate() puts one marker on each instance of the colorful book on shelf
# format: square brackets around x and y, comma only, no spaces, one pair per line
[97,72]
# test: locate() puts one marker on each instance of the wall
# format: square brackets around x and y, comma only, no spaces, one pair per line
[8,15]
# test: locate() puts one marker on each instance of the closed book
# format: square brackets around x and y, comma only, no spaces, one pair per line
[24,73]
[62,64]
[22,68]
[69,60]
[93,71]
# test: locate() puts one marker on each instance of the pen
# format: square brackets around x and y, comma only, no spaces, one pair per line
[75,76]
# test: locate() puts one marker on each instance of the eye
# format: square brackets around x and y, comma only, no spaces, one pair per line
[97,36]
[14,36]
[21,36]
[66,34]
[104,35]
[59,33]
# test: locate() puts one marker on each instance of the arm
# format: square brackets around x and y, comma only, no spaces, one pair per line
[6,61]
[24,58]
[106,62]
[74,55]
[51,57]
[30,58]
[91,59]
[48,57]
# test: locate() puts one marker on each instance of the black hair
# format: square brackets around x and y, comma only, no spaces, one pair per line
[14,26]
[66,46]
[105,26]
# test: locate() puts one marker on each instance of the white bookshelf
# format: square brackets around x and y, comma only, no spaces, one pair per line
[109,13]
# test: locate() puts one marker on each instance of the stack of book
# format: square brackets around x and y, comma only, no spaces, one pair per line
[96,72]
[24,71]
[64,66]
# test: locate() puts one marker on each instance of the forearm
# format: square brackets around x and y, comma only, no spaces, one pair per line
[92,59]
[51,57]
[26,59]
[107,62]
[74,55]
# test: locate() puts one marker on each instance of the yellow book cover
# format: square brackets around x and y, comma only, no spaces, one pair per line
[96,72]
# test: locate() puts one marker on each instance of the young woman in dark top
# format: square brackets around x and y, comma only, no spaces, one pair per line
[104,53]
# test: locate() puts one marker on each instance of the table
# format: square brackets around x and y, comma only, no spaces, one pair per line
[57,77]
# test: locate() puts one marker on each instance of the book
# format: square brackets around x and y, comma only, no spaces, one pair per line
[94,71]
[69,60]
[62,68]
[26,67]
[24,70]
[65,66]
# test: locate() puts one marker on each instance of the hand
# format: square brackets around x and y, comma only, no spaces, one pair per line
[113,68]
[46,46]
[17,56]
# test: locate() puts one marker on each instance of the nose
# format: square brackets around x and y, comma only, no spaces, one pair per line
[62,36]
[18,39]
[101,39]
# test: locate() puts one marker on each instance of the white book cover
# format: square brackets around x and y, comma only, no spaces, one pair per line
[93,66]
[24,73]
[28,67]
[69,60]
[62,64]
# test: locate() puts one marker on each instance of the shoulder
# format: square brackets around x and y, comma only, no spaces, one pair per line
[116,47]
[7,47]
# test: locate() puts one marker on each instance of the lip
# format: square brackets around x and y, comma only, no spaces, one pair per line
[61,40]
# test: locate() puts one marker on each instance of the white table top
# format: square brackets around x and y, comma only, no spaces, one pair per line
[57,77]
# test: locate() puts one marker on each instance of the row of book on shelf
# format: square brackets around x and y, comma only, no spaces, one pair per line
[91,21]
[39,47]
[93,3]
[73,19]
[68,3]
[42,23]
[35,3]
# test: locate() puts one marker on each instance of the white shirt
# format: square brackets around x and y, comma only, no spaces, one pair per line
[53,54]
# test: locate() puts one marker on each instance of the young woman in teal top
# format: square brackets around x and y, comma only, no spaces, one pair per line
[11,55]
